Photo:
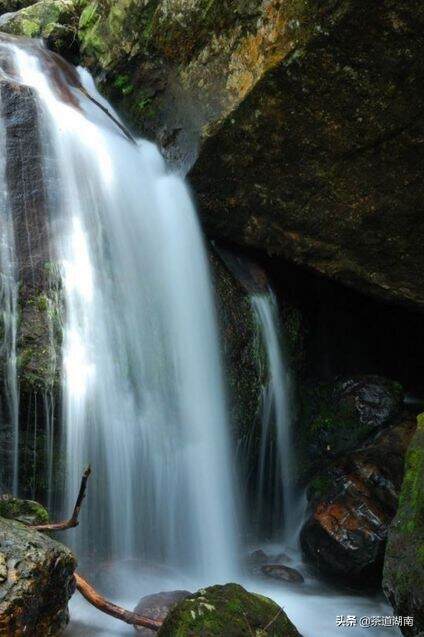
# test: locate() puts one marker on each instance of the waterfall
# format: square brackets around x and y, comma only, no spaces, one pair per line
[8,327]
[143,393]
[276,470]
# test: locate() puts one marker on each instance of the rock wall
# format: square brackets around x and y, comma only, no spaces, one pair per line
[312,117]
[39,305]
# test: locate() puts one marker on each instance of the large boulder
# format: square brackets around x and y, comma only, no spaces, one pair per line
[311,112]
[243,353]
[36,582]
[351,506]
[227,610]
[321,161]
[403,578]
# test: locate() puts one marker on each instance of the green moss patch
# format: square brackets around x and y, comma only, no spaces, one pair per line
[227,610]
[25,511]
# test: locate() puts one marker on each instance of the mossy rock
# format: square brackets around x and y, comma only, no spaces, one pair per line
[53,20]
[9,6]
[227,610]
[335,417]
[25,511]
[403,578]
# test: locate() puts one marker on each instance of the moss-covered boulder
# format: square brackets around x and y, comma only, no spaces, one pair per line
[351,505]
[53,20]
[403,579]
[25,511]
[36,582]
[227,610]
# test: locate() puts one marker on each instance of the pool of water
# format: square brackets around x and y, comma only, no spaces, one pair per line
[313,606]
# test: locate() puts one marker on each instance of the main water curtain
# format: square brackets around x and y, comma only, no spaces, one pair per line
[143,395]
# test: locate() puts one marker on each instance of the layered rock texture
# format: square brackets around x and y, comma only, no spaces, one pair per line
[355,434]
[403,579]
[36,582]
[352,505]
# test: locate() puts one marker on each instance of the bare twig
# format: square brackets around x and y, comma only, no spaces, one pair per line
[86,590]
[73,520]
[97,600]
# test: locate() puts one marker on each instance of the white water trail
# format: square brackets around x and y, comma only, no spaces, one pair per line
[144,400]
[276,453]
[9,315]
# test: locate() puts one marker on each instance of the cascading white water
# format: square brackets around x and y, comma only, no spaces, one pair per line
[8,308]
[276,454]
[144,401]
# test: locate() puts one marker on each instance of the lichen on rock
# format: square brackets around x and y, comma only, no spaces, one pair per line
[36,582]
[227,610]
[53,20]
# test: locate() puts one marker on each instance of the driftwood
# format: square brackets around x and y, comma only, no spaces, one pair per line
[86,590]
[97,600]
[73,520]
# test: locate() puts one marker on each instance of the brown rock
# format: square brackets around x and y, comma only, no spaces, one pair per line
[352,506]
[157,606]
[283,573]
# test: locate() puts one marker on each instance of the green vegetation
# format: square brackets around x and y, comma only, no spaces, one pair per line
[25,511]
[227,610]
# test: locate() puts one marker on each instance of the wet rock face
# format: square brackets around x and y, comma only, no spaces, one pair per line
[321,161]
[177,68]
[376,400]
[39,302]
[242,350]
[36,582]
[351,507]
[158,606]
[227,610]
[336,417]
[403,578]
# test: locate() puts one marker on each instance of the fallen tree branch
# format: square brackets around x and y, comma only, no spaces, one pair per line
[97,600]
[86,590]
[73,520]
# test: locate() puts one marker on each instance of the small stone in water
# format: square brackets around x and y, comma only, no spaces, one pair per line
[282,573]
[157,606]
